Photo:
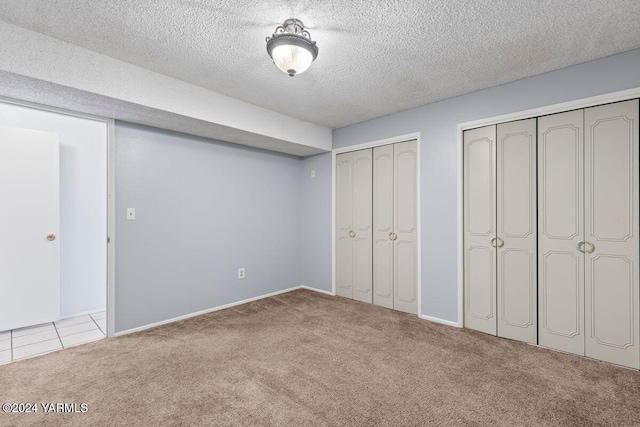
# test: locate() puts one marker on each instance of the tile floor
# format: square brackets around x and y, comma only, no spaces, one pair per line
[41,339]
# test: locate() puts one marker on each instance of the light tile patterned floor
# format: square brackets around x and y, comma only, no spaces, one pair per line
[41,339]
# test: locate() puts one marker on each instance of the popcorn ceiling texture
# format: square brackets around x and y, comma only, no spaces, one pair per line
[375,58]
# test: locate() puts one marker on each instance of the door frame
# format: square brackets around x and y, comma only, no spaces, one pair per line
[110,240]
[363,146]
[592,101]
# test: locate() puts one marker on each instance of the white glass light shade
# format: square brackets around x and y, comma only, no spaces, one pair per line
[292,58]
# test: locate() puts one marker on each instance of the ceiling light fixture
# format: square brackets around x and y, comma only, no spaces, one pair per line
[291,47]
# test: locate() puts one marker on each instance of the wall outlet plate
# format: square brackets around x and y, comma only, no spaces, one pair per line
[241,274]
[131,214]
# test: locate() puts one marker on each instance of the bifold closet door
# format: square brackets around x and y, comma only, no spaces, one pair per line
[383,293]
[611,233]
[354,207]
[395,241]
[516,231]
[405,229]
[480,229]
[344,225]
[561,229]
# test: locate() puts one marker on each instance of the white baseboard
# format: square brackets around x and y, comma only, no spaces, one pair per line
[233,304]
[318,290]
[438,320]
[82,313]
[209,310]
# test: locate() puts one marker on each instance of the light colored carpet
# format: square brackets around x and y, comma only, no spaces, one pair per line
[306,359]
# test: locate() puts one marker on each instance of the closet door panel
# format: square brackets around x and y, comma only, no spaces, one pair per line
[344,225]
[479,229]
[561,228]
[405,227]
[516,218]
[363,225]
[611,224]
[383,226]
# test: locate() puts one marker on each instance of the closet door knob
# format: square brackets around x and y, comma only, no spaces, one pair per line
[391,236]
[499,242]
[352,234]
[586,247]
[493,241]
[51,237]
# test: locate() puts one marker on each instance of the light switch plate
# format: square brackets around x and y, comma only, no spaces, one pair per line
[131,214]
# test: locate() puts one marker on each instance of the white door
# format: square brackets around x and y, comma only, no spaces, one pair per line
[480,229]
[405,228]
[344,225]
[611,233]
[517,235]
[29,223]
[561,228]
[363,225]
[383,226]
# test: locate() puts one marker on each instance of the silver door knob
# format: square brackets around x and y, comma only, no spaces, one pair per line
[352,233]
[51,237]
[586,247]
[496,242]
[393,236]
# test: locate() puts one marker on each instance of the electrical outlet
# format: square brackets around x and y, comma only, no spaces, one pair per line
[313,173]
[241,273]
[131,214]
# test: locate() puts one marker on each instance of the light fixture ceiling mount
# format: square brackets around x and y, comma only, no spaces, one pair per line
[291,47]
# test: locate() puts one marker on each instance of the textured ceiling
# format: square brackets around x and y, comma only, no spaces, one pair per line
[375,58]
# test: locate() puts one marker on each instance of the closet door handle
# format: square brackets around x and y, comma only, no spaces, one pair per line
[352,234]
[496,242]
[581,247]
[589,247]
[391,236]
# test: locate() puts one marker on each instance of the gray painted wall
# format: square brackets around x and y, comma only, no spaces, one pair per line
[316,220]
[203,209]
[437,124]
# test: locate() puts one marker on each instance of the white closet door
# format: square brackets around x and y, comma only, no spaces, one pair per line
[561,228]
[480,229]
[363,225]
[344,225]
[29,224]
[383,226]
[405,227]
[516,216]
[611,230]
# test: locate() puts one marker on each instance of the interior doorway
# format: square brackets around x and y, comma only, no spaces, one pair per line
[54,187]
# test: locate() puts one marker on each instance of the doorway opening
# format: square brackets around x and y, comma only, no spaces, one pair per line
[54,187]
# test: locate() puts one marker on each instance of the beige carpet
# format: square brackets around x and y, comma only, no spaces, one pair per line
[306,359]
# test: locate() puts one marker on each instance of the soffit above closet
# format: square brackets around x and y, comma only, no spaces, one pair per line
[373,60]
